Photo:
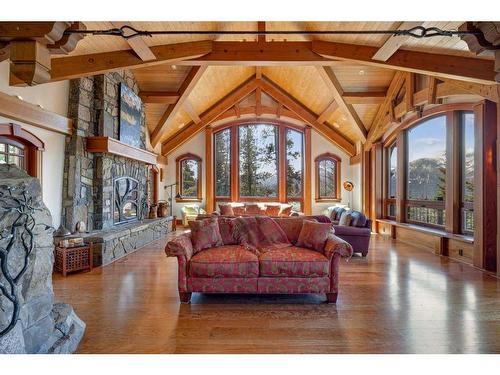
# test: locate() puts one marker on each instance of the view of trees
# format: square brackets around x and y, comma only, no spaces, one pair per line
[328,178]
[258,160]
[468,172]
[189,170]
[294,162]
[223,163]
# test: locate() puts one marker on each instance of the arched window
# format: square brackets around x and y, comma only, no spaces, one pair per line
[259,161]
[20,147]
[189,177]
[327,177]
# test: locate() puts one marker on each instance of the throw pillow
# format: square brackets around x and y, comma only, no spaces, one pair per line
[273,209]
[345,219]
[226,210]
[286,210]
[358,219]
[226,225]
[253,209]
[314,235]
[239,210]
[205,234]
[272,236]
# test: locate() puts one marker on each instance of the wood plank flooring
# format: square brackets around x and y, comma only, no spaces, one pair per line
[400,299]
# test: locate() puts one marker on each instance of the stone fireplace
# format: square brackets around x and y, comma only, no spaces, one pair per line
[104,186]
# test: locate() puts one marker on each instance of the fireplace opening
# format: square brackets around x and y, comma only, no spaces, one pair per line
[126,200]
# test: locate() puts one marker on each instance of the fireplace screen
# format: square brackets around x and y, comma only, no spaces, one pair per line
[126,194]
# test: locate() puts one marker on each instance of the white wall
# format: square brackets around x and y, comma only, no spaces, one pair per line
[320,145]
[196,146]
[52,97]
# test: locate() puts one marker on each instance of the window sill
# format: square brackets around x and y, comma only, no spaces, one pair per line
[428,230]
[187,200]
[327,200]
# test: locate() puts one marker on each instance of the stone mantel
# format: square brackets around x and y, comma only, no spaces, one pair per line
[113,146]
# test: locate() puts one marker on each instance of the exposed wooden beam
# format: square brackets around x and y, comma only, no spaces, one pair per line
[29,63]
[261,26]
[367,97]
[380,116]
[490,92]
[187,86]
[44,32]
[138,44]
[163,97]
[330,108]
[265,110]
[258,101]
[85,65]
[28,113]
[306,115]
[439,65]
[4,51]
[392,44]
[409,91]
[432,91]
[237,110]
[210,115]
[188,107]
[334,85]
[258,72]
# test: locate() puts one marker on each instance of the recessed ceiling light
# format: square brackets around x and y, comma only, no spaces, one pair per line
[336,124]
[180,126]
[19,97]
[41,106]
[361,72]
[343,118]
[174,67]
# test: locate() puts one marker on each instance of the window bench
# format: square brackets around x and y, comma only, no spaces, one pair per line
[456,246]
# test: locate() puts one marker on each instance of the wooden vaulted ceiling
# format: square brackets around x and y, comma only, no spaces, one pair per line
[340,89]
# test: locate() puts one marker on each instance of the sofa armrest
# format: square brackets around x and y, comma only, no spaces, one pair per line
[344,230]
[180,246]
[335,245]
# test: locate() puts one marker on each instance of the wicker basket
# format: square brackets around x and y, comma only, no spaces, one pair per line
[70,259]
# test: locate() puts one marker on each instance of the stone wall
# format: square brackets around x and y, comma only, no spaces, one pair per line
[94,105]
[29,319]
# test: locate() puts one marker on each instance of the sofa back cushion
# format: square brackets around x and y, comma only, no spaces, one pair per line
[337,213]
[260,232]
[272,234]
[358,219]
[273,209]
[226,229]
[254,209]
[314,235]
[291,226]
[226,210]
[238,210]
[205,234]
[286,210]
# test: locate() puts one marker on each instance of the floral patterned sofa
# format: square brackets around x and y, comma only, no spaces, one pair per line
[237,263]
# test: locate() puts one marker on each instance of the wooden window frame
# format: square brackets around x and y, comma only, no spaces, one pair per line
[178,166]
[387,175]
[463,206]
[155,171]
[14,134]
[338,168]
[234,180]
[453,201]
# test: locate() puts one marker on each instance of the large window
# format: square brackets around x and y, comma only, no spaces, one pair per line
[189,177]
[426,172]
[222,160]
[467,172]
[12,152]
[327,177]
[390,202]
[258,160]
[264,162]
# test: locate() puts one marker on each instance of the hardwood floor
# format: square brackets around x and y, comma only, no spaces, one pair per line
[400,299]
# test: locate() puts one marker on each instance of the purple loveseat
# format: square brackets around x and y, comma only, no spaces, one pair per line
[357,233]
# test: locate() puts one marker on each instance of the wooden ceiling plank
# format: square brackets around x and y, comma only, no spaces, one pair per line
[280,95]
[439,65]
[187,86]
[160,97]
[333,83]
[86,65]
[138,44]
[258,101]
[330,108]
[210,115]
[393,43]
[188,107]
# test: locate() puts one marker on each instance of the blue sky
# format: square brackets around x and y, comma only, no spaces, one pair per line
[428,140]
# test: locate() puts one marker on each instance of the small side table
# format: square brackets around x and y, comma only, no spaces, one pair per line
[70,259]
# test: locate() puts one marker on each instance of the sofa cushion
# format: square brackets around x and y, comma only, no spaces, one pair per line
[226,228]
[226,209]
[314,235]
[205,234]
[254,209]
[358,219]
[272,234]
[239,210]
[293,262]
[224,261]
[273,209]
[345,218]
[259,233]
[291,226]
[286,210]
